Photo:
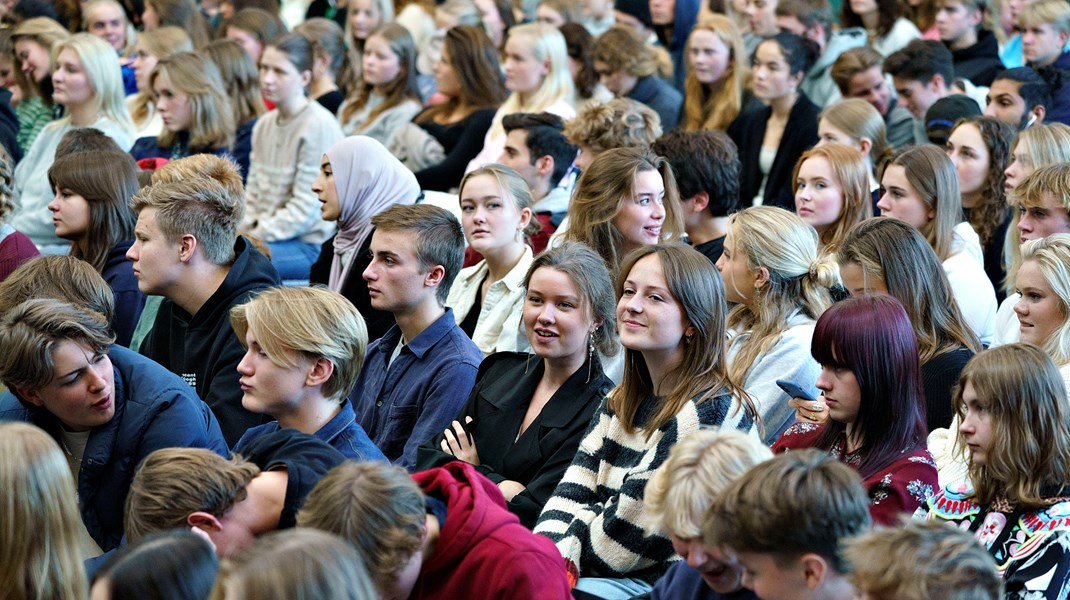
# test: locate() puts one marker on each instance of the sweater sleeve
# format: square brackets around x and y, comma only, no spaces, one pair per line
[788,359]
[447,174]
[902,487]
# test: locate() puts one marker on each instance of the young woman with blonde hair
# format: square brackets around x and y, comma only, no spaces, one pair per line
[363,17]
[39,534]
[1043,310]
[671,316]
[387,98]
[627,198]
[920,187]
[242,80]
[631,68]
[855,123]
[715,91]
[488,297]
[778,278]
[832,192]
[537,77]
[150,48]
[192,103]
[88,85]
[1016,427]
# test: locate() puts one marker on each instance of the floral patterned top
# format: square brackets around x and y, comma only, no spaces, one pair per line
[1031,547]
[899,487]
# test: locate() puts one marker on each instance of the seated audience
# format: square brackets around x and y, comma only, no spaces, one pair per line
[922,73]
[91,208]
[537,149]
[288,143]
[579,47]
[885,255]
[832,192]
[107,407]
[813,20]
[34,39]
[671,315]
[974,49]
[777,278]
[920,187]
[329,52]
[706,167]
[441,533]
[304,350]
[107,19]
[186,249]
[253,28]
[39,539]
[150,48]
[871,384]
[1019,97]
[15,247]
[444,137]
[787,520]
[172,565]
[699,468]
[944,113]
[358,179]
[232,501]
[771,138]
[242,78]
[522,426]
[715,96]
[856,123]
[178,13]
[619,123]
[487,298]
[295,564]
[387,97]
[418,375]
[885,22]
[630,68]
[1014,417]
[919,561]
[859,73]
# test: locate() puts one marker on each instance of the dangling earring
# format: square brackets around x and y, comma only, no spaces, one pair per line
[590,355]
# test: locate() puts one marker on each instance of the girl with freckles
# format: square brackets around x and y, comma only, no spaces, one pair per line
[527,414]
[671,318]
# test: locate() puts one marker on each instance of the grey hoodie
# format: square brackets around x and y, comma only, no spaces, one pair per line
[818,84]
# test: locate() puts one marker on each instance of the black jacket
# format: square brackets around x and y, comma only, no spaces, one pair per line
[539,458]
[748,131]
[203,348]
[980,62]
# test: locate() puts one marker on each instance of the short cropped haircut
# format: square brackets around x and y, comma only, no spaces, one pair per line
[919,560]
[703,161]
[198,206]
[699,467]
[375,506]
[1046,12]
[58,277]
[851,63]
[546,137]
[809,12]
[1052,179]
[1034,89]
[173,483]
[31,332]
[920,60]
[224,170]
[619,123]
[439,238]
[799,502]
[309,322]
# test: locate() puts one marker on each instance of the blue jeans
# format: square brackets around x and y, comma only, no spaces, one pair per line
[293,258]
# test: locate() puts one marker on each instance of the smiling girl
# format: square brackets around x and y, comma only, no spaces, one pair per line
[107,20]
[832,192]
[872,386]
[1015,424]
[487,298]
[34,39]
[388,98]
[288,143]
[671,318]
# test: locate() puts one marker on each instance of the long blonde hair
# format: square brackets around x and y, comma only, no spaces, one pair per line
[705,108]
[39,531]
[161,43]
[799,278]
[932,175]
[547,44]
[101,66]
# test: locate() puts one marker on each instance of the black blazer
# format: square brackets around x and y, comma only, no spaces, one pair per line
[354,288]
[800,133]
[497,405]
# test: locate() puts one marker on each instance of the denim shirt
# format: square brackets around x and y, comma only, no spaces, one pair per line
[342,432]
[403,404]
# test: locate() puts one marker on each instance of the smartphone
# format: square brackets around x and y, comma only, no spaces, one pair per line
[793,390]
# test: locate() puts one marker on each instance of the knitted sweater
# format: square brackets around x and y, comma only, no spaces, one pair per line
[285,160]
[385,124]
[596,513]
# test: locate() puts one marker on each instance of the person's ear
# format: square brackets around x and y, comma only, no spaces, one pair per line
[30,395]
[816,34]
[187,247]
[1039,112]
[321,370]
[525,218]
[865,145]
[1064,37]
[815,570]
[763,277]
[306,78]
[544,165]
[699,202]
[205,521]
[435,277]
[937,82]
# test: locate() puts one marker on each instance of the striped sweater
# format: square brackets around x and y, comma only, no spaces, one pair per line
[596,513]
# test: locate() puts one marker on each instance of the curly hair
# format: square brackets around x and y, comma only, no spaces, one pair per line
[991,209]
[619,123]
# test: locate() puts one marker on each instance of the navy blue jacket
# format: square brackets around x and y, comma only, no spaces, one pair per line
[342,432]
[685,14]
[129,301]
[153,409]
[664,99]
[681,581]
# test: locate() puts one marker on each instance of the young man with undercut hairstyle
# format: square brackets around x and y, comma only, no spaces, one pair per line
[974,49]
[1019,97]
[417,377]
[922,73]
[813,20]
[187,249]
[536,147]
[706,166]
[859,73]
